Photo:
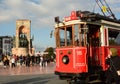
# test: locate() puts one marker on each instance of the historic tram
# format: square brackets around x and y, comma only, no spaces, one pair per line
[82,43]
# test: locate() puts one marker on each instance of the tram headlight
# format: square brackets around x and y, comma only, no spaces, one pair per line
[65,59]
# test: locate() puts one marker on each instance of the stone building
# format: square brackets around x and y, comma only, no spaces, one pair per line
[22,40]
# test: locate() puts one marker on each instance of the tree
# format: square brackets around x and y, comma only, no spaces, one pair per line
[50,54]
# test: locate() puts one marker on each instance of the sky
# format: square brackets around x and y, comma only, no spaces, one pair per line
[42,13]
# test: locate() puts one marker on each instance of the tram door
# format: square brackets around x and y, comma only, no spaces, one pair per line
[93,45]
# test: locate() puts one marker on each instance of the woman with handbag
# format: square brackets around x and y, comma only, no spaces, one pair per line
[113,60]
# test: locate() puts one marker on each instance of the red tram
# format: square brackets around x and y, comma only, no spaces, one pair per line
[82,43]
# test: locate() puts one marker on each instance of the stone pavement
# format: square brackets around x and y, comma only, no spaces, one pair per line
[23,70]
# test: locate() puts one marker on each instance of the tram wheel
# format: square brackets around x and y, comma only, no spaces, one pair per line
[70,81]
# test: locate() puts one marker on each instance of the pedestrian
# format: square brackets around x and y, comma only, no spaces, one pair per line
[13,61]
[21,60]
[28,60]
[33,59]
[5,61]
[44,61]
[113,60]
[41,61]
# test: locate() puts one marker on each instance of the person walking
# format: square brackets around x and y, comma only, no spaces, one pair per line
[41,61]
[21,60]
[113,60]
[13,62]
[28,61]
[5,61]
[33,59]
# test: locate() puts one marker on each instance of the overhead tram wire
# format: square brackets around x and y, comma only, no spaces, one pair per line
[112,14]
[108,10]
[100,7]
[94,7]
[104,4]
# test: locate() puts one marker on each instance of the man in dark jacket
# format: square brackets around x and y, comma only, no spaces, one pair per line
[113,60]
[28,60]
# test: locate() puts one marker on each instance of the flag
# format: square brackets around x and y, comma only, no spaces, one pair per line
[104,9]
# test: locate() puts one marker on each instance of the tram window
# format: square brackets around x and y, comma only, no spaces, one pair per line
[66,36]
[69,35]
[62,37]
[117,40]
[114,37]
[76,36]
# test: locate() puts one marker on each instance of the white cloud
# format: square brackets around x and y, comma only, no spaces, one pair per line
[4,18]
[38,10]
[41,10]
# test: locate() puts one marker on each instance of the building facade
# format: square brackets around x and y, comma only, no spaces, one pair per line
[6,45]
[22,40]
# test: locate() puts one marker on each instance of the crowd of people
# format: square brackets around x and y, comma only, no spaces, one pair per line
[28,60]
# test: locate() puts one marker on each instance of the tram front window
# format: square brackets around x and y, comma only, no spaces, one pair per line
[62,36]
[74,35]
[69,36]
[65,35]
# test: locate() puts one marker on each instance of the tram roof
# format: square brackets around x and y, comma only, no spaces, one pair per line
[86,17]
[99,22]
[95,16]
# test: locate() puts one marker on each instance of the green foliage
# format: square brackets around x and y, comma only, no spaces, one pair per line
[51,55]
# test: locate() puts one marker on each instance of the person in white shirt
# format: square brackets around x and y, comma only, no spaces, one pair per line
[13,62]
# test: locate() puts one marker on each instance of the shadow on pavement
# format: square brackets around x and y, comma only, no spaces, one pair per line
[36,80]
